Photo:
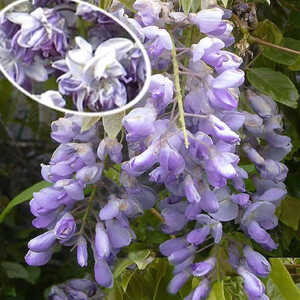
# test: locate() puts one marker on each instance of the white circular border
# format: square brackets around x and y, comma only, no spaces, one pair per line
[133,102]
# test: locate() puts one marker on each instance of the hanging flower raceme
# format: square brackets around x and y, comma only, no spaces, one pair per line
[204,191]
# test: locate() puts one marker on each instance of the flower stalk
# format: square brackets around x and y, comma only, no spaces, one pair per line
[179,94]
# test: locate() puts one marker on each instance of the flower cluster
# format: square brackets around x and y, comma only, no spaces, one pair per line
[105,71]
[198,163]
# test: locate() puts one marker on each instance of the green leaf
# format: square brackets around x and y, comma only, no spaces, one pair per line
[23,197]
[225,2]
[121,266]
[272,290]
[105,4]
[125,279]
[274,84]
[114,174]
[128,4]
[196,5]
[88,122]
[141,258]
[217,291]
[289,212]
[282,279]
[268,31]
[186,5]
[282,57]
[113,124]
[15,270]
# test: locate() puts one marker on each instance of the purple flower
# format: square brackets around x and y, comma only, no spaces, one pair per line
[258,263]
[205,47]
[119,236]
[139,123]
[171,161]
[72,188]
[43,29]
[45,201]
[228,210]
[111,147]
[199,235]
[96,79]
[202,290]
[202,268]
[169,246]
[178,281]
[179,256]
[141,163]
[148,11]
[83,285]
[161,90]
[103,274]
[190,189]
[159,40]
[102,244]
[253,286]
[43,242]
[223,60]
[230,78]
[264,106]
[52,98]
[90,174]
[208,20]
[38,258]
[65,227]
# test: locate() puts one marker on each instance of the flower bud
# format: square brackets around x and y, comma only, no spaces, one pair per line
[119,236]
[42,242]
[181,255]
[190,189]
[202,290]
[38,258]
[208,19]
[65,227]
[257,262]
[178,281]
[102,243]
[253,286]
[169,246]
[202,268]
[82,253]
[198,236]
[103,274]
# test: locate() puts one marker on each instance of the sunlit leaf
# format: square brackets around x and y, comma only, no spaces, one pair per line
[113,124]
[283,281]
[88,122]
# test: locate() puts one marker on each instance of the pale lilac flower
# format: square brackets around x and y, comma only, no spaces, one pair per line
[82,253]
[42,242]
[38,258]
[148,11]
[103,274]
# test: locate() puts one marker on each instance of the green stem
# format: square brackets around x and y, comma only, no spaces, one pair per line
[179,95]
[187,43]
[90,204]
